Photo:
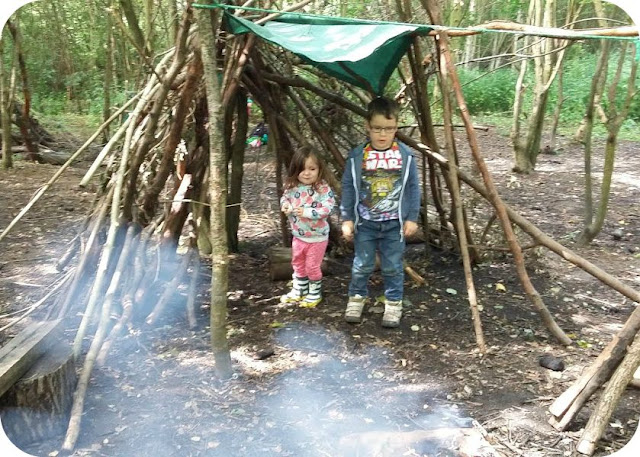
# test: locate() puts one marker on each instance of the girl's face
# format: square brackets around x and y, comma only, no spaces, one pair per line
[382,131]
[310,173]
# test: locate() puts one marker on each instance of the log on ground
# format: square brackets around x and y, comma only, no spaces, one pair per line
[37,406]
[23,350]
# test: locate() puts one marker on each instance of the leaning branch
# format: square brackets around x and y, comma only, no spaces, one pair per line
[547,32]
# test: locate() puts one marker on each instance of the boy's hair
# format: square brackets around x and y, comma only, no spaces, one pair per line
[297,165]
[383,106]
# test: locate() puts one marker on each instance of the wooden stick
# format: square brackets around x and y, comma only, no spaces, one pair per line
[170,289]
[127,304]
[87,255]
[193,292]
[105,317]
[571,401]
[104,152]
[413,274]
[609,399]
[458,207]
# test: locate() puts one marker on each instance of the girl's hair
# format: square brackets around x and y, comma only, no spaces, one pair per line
[296,166]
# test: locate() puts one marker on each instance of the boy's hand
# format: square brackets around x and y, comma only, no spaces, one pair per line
[347,230]
[410,228]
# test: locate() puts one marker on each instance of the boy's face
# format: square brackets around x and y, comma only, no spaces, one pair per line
[382,131]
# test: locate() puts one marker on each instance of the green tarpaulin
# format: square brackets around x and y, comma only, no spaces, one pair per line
[362,53]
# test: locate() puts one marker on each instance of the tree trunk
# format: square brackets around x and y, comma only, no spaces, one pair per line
[108,76]
[614,124]
[597,84]
[526,154]
[173,15]
[201,210]
[535,128]
[208,24]
[25,128]
[5,112]
[516,130]
[237,148]
[134,27]
[280,263]
[557,111]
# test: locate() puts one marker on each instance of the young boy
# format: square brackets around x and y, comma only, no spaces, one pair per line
[379,207]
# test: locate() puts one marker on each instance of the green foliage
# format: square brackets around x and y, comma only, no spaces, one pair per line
[577,85]
[488,92]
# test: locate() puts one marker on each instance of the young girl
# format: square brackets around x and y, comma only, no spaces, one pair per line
[307,200]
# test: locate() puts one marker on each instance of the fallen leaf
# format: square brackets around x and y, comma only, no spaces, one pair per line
[500,287]
[452,291]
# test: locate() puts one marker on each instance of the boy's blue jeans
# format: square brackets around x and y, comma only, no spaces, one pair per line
[383,237]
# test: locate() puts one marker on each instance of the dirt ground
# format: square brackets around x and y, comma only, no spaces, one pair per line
[329,384]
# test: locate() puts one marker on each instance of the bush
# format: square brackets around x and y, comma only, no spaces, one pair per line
[488,92]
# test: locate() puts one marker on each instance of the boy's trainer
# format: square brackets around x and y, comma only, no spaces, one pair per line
[392,313]
[353,313]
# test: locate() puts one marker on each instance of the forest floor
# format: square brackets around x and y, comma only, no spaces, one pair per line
[335,389]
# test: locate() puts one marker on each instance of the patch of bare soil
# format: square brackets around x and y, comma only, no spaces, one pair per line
[329,384]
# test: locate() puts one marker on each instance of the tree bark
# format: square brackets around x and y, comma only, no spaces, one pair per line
[208,24]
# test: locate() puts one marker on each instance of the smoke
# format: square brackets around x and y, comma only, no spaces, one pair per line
[334,402]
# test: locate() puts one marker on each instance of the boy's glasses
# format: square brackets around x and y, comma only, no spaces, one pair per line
[383,129]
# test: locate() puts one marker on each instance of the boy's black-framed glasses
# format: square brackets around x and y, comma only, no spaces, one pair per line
[383,129]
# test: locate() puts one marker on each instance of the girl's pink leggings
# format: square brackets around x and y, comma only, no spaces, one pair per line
[306,258]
